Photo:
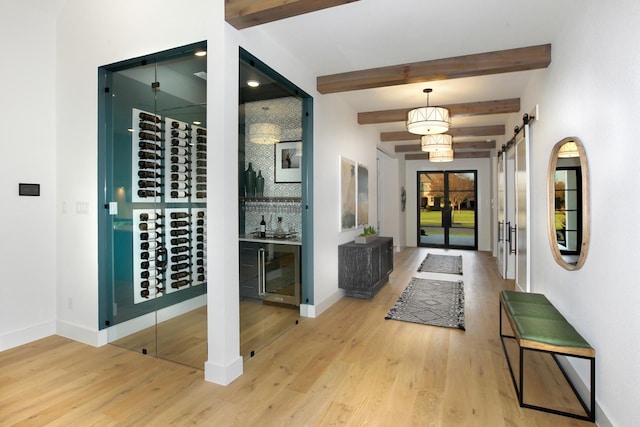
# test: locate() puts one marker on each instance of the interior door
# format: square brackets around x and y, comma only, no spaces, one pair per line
[502,216]
[153,231]
[522,209]
[447,215]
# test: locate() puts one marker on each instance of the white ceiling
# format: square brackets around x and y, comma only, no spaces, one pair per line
[375,33]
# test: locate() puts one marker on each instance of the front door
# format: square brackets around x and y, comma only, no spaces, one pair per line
[447,215]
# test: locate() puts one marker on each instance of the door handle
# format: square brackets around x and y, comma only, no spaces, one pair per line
[500,231]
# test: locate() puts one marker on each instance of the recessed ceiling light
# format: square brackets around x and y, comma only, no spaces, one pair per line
[201,53]
[253,83]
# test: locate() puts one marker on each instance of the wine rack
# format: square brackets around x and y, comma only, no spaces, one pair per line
[149,262]
[169,166]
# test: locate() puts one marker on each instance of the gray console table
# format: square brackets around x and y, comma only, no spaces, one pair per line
[363,269]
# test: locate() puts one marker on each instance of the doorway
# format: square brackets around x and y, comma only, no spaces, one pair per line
[447,213]
[152,184]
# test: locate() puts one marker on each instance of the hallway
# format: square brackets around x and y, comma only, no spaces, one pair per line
[349,366]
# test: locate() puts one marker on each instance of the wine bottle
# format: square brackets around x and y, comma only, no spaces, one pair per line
[200,238]
[201,163]
[200,270]
[180,168]
[176,224]
[150,216]
[181,266]
[144,265]
[150,127]
[200,214]
[200,261]
[200,254]
[149,136]
[180,249]
[149,174]
[201,195]
[179,275]
[180,241]
[149,245]
[180,186]
[149,155]
[178,258]
[201,171]
[179,215]
[201,139]
[179,232]
[178,177]
[175,133]
[201,155]
[200,246]
[263,228]
[180,194]
[179,151]
[142,164]
[202,278]
[148,184]
[149,274]
[148,117]
[180,283]
[200,221]
[149,146]
[201,186]
[201,179]
[201,147]
[152,236]
[201,131]
[180,160]
[179,125]
[149,226]
[144,293]
[149,193]
[179,142]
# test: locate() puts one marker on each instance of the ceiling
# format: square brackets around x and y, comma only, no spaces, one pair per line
[369,34]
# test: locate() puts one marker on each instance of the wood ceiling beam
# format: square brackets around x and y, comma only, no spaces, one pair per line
[248,13]
[456,155]
[475,145]
[498,106]
[481,64]
[455,132]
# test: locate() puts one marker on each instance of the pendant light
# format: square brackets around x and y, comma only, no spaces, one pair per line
[264,132]
[441,156]
[428,120]
[439,142]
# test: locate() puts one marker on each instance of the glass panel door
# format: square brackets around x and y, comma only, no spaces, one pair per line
[447,209]
[153,153]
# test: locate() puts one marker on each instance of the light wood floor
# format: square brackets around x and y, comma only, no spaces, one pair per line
[349,366]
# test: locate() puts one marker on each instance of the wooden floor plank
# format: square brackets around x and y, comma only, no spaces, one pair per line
[349,366]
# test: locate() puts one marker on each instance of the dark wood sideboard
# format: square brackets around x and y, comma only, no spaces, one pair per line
[363,269]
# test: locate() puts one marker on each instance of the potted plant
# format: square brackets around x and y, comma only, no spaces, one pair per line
[368,235]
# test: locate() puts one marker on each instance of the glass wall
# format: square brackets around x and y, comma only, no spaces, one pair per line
[152,166]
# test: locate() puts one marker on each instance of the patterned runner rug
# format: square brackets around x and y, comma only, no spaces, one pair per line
[431,302]
[451,264]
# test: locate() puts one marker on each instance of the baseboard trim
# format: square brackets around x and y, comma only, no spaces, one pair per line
[307,310]
[81,334]
[27,335]
[223,374]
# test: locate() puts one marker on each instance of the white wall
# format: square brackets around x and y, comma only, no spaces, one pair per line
[27,224]
[483,197]
[591,91]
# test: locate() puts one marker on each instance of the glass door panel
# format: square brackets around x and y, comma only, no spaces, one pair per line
[447,209]
[153,282]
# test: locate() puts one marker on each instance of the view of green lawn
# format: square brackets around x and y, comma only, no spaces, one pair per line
[461,218]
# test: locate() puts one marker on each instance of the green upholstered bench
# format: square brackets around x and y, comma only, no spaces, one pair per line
[538,326]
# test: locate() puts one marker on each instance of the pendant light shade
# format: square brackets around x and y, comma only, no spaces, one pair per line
[432,143]
[441,156]
[428,120]
[264,133]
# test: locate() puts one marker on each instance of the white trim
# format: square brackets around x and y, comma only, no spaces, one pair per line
[223,375]
[27,335]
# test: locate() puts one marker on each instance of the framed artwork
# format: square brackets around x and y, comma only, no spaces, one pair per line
[288,158]
[347,194]
[362,182]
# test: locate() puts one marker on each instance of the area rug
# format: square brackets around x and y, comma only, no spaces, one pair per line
[431,302]
[441,264]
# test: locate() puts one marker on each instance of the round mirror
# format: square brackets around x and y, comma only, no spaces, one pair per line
[568,191]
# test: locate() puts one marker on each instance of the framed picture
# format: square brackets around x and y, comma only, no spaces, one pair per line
[363,195]
[288,158]
[347,194]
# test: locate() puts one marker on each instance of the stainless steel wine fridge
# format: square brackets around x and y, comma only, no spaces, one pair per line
[270,272]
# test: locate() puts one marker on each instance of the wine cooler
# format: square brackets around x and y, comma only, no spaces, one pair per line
[169,174]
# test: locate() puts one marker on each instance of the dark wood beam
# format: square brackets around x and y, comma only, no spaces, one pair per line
[481,64]
[475,145]
[455,132]
[248,13]
[499,106]
[456,155]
